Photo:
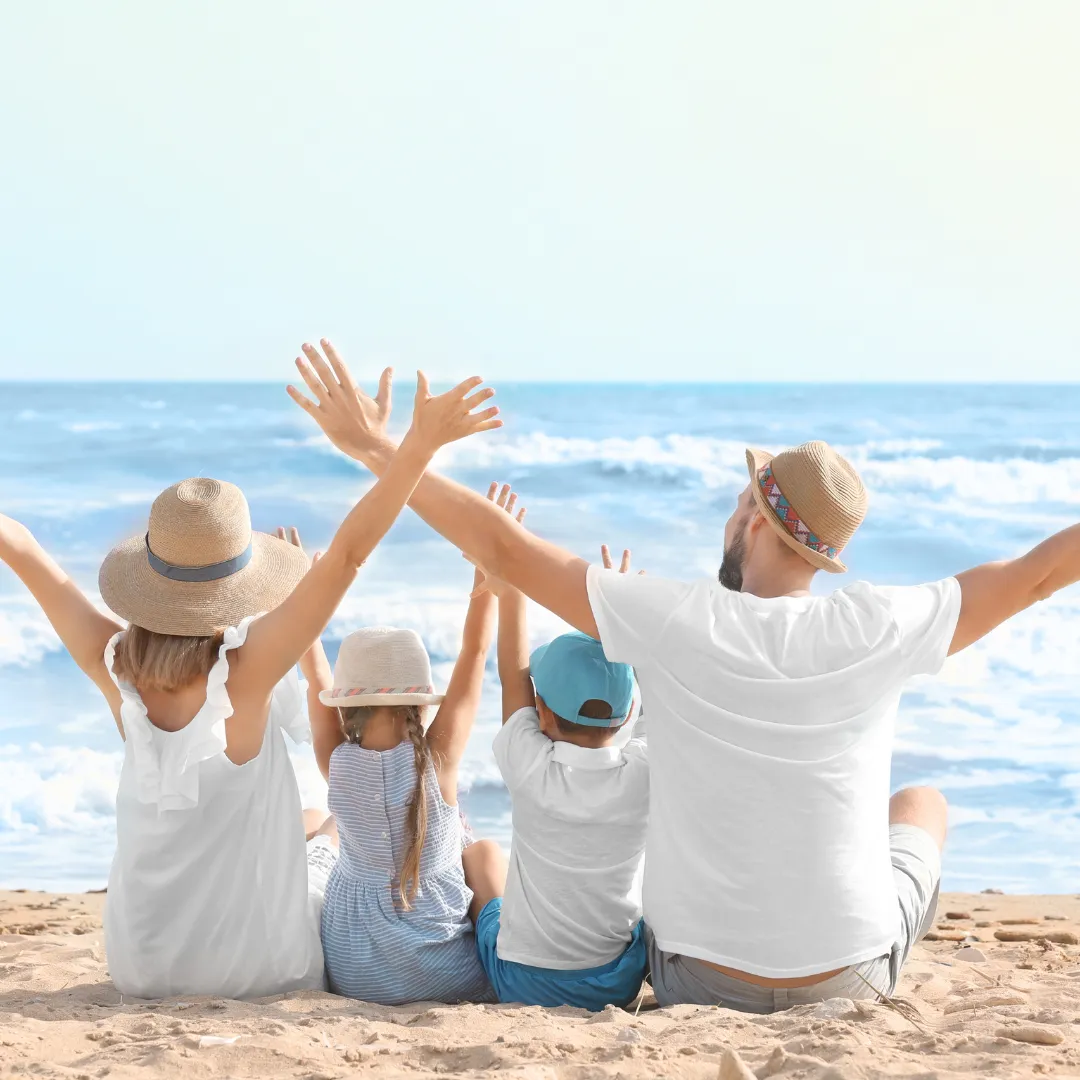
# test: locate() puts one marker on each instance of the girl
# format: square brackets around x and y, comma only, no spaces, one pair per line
[395,924]
[209,890]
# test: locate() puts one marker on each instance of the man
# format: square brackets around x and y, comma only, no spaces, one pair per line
[778,871]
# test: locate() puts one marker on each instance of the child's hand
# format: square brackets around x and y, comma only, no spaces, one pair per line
[315,655]
[624,566]
[445,418]
[485,582]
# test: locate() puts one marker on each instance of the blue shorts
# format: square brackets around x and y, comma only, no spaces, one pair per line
[614,983]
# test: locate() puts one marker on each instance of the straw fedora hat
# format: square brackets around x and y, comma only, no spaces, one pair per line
[812,497]
[199,568]
[381,665]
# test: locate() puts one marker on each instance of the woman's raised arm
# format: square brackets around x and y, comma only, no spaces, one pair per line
[277,641]
[80,626]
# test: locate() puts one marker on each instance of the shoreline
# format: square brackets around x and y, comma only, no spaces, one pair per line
[970,1004]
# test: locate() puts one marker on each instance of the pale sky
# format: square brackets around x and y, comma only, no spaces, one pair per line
[589,190]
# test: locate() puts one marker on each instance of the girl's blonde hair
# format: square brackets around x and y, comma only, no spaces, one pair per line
[152,661]
[353,721]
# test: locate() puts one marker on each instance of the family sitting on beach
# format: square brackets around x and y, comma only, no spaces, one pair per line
[747,854]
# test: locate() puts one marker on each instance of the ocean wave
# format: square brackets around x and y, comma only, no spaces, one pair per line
[890,466]
[58,788]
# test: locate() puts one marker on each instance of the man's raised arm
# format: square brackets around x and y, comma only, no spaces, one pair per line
[992,593]
[548,574]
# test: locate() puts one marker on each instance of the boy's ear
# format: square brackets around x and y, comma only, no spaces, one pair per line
[547,719]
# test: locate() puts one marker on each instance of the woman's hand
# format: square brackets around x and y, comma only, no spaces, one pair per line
[446,418]
[350,419]
[505,499]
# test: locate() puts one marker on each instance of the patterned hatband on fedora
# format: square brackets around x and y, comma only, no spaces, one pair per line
[786,513]
[813,499]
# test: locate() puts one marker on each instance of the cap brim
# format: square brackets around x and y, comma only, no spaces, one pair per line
[135,591]
[755,459]
[346,701]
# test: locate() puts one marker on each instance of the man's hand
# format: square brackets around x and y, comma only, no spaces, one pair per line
[506,500]
[350,419]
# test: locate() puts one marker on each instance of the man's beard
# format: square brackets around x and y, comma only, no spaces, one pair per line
[732,565]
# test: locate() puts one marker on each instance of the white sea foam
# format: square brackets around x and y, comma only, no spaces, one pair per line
[57,788]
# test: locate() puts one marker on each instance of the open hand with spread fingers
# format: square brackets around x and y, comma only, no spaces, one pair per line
[505,499]
[355,422]
[351,419]
[446,418]
[624,565]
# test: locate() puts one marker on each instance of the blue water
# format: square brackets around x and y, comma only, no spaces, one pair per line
[957,475]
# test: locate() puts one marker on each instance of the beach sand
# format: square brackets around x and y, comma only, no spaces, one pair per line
[1009,1009]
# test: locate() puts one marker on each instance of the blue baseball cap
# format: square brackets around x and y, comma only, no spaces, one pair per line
[571,670]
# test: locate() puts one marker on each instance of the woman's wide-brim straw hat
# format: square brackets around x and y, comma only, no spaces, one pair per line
[199,568]
[381,665]
[812,497]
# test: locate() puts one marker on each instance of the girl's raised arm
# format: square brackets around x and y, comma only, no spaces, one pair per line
[277,641]
[326,731]
[80,626]
[450,730]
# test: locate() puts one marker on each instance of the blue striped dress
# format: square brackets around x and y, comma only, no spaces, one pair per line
[375,951]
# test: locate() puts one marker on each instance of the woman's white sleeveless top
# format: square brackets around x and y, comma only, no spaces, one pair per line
[208,892]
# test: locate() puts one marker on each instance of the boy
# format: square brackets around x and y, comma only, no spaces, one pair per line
[568,931]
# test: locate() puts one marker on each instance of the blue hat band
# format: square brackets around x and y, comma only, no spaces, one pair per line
[213,572]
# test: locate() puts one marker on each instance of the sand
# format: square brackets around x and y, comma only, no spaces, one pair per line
[977,1007]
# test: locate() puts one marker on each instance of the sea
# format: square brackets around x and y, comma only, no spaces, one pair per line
[958,475]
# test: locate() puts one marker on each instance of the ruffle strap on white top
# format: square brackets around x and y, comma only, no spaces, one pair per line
[166,762]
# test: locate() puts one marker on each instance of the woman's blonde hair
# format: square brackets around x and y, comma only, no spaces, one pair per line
[152,661]
[353,721]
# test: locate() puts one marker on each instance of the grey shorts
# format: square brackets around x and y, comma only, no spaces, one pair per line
[917,872]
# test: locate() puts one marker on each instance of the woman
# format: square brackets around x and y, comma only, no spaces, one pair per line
[209,889]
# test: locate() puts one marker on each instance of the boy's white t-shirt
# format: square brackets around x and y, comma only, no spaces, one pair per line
[770,743]
[573,893]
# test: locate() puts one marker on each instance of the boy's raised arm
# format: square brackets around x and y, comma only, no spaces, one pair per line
[550,575]
[513,640]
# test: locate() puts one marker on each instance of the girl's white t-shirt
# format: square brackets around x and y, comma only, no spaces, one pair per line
[208,892]
[770,743]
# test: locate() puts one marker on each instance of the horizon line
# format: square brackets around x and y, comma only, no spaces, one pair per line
[212,380]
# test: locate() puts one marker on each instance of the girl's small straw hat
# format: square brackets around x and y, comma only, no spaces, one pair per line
[199,568]
[381,665]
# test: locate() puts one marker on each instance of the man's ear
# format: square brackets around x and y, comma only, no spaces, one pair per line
[757,519]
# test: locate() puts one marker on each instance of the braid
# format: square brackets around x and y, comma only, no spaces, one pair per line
[418,811]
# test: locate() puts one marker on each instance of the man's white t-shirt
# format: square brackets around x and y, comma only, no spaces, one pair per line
[573,892]
[770,744]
